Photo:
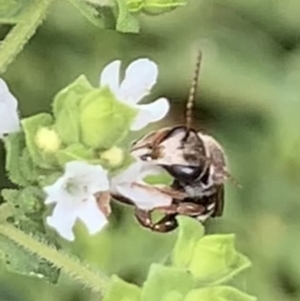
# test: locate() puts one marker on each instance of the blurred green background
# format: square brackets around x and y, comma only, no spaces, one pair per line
[249,100]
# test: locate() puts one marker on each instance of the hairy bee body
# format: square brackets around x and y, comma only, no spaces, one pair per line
[196,162]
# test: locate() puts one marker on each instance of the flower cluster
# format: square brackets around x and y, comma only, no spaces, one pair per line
[84,189]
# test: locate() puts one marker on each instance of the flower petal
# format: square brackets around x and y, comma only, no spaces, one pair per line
[92,177]
[9,119]
[144,197]
[63,219]
[110,76]
[130,174]
[140,76]
[91,216]
[56,192]
[150,113]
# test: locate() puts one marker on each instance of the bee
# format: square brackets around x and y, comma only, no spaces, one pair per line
[196,162]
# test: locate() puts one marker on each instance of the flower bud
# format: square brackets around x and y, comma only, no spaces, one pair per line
[114,156]
[47,140]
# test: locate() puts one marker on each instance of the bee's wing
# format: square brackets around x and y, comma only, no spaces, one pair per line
[219,201]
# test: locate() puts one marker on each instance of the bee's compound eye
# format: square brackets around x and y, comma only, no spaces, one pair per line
[184,173]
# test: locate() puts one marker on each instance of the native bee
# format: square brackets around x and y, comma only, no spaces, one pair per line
[197,163]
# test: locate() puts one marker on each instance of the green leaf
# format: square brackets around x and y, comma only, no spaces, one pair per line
[164,280]
[218,293]
[19,164]
[20,261]
[66,109]
[11,11]
[104,120]
[189,233]
[120,290]
[31,126]
[29,170]
[6,211]
[28,205]
[14,145]
[154,6]
[173,296]
[126,22]
[89,11]
[215,259]
[76,151]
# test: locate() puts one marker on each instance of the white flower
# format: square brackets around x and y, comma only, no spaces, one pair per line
[9,119]
[74,195]
[140,77]
[130,185]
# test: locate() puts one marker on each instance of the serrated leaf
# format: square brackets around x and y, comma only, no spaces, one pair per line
[14,146]
[162,280]
[215,259]
[218,293]
[74,152]
[31,125]
[189,233]
[66,109]
[30,171]
[28,207]
[104,120]
[126,22]
[11,11]
[10,196]
[20,261]
[120,290]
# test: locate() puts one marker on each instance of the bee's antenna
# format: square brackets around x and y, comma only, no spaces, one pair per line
[192,94]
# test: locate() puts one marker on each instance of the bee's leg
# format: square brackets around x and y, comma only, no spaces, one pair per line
[144,217]
[190,209]
[166,224]
[186,208]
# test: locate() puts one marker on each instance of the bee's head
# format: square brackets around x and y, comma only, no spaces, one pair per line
[179,150]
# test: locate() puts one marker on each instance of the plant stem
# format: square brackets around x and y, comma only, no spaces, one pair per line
[19,35]
[71,266]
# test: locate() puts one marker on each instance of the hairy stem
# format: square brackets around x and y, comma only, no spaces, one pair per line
[71,266]
[19,35]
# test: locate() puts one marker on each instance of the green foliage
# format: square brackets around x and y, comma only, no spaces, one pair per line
[20,261]
[218,293]
[15,144]
[169,283]
[11,11]
[26,209]
[27,204]
[216,260]
[104,120]
[74,152]
[120,290]
[154,6]
[163,280]
[28,15]
[126,22]
[212,258]
[190,232]
[90,12]
[31,126]
[66,109]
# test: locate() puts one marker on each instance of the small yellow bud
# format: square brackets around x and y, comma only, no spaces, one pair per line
[114,156]
[47,140]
